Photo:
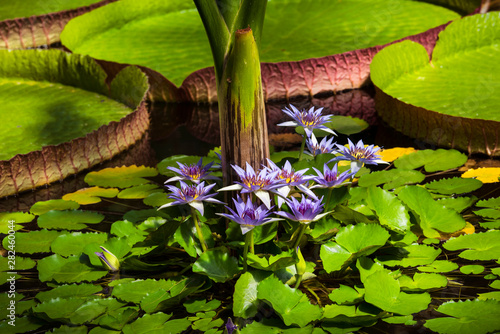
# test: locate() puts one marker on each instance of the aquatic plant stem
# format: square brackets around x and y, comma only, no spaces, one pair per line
[248,244]
[302,147]
[194,215]
[328,197]
[300,233]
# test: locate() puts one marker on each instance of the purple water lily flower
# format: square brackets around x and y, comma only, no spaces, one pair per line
[309,120]
[192,172]
[248,215]
[330,178]
[230,326]
[259,184]
[194,195]
[305,211]
[359,155]
[290,178]
[315,148]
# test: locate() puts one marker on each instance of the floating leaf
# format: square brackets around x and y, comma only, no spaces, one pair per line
[439,266]
[129,230]
[470,316]
[34,241]
[422,281]
[156,323]
[245,301]
[391,178]
[141,191]
[383,291]
[480,246]
[10,221]
[489,203]
[82,291]
[217,264]
[157,199]
[389,209]
[454,185]
[345,295]
[116,319]
[74,243]
[488,213]
[432,160]
[193,306]
[489,295]
[485,174]
[68,220]
[59,308]
[271,262]
[42,207]
[90,195]
[458,204]
[491,224]
[66,270]
[291,304]
[391,154]
[409,256]
[432,216]
[471,269]
[121,177]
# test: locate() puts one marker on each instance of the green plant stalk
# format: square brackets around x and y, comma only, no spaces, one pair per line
[302,147]
[198,230]
[300,233]
[248,244]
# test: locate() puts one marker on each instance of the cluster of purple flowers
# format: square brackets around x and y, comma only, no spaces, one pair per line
[272,180]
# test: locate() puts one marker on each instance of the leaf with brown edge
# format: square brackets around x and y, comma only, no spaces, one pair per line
[121,177]
[90,195]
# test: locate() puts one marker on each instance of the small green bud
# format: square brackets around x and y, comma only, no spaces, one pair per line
[109,259]
[300,266]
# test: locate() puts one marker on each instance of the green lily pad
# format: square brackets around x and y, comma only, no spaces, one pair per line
[488,213]
[433,218]
[121,177]
[91,195]
[157,323]
[458,204]
[421,97]
[431,160]
[193,306]
[129,230]
[389,209]
[69,291]
[34,241]
[422,281]
[10,221]
[346,295]
[74,243]
[480,246]
[291,304]
[217,264]
[66,270]
[68,220]
[56,89]
[119,318]
[140,191]
[465,317]
[42,207]
[271,262]
[124,31]
[409,256]
[495,224]
[455,185]
[391,178]
[489,295]
[245,301]
[439,266]
[472,269]
[489,203]
[12,10]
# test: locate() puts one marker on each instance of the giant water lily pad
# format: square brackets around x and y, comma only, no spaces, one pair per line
[31,23]
[451,101]
[62,117]
[168,37]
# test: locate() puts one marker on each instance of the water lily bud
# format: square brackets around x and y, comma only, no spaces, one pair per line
[301,265]
[109,259]
[231,327]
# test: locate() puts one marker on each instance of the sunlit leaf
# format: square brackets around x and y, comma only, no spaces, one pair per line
[129,230]
[116,319]
[156,323]
[458,204]
[471,269]
[67,270]
[391,178]
[391,154]
[157,199]
[271,262]
[93,308]
[34,241]
[141,191]
[409,256]
[90,195]
[489,203]
[346,295]
[431,160]
[439,266]
[218,264]
[291,304]
[489,295]
[121,177]
[480,246]
[488,213]
[422,281]
[74,243]
[12,220]
[454,185]
[82,291]
[490,224]
[433,218]
[389,209]
[484,174]
[193,306]
[68,220]
[465,317]
[54,204]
